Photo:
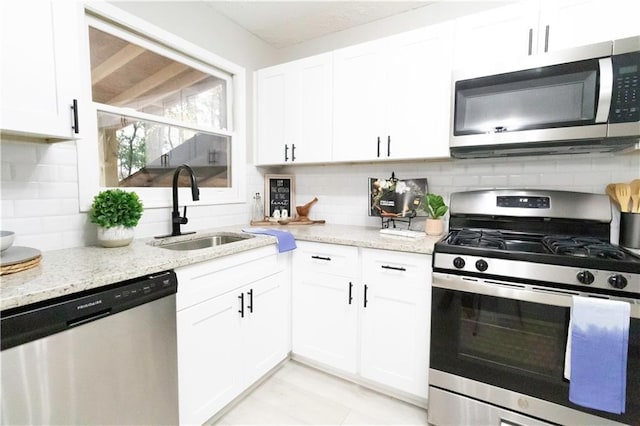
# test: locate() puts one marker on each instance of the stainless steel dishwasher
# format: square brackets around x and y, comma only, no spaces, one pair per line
[107,356]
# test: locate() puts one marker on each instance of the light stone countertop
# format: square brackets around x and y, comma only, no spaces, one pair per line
[68,271]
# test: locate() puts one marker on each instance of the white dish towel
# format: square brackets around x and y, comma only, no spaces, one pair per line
[596,356]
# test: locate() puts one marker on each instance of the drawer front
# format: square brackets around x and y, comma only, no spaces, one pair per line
[326,258]
[397,267]
[203,281]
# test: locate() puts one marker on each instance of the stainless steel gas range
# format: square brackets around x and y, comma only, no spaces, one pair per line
[504,280]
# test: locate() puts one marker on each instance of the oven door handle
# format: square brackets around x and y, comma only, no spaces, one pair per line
[509,290]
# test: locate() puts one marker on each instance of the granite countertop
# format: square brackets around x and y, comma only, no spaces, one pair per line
[68,271]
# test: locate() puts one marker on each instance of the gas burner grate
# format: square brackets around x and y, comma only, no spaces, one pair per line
[485,239]
[582,247]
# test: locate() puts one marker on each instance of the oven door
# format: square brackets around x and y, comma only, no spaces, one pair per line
[497,341]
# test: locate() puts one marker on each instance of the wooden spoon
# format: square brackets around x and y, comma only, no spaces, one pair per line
[635,186]
[611,192]
[635,203]
[623,193]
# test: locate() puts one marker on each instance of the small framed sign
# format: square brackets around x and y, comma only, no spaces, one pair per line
[279,194]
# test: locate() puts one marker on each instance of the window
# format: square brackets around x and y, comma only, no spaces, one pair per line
[160,102]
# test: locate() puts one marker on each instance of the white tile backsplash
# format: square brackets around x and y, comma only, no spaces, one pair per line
[39,189]
[342,189]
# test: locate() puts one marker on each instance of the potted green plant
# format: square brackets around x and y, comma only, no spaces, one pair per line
[116,212]
[435,208]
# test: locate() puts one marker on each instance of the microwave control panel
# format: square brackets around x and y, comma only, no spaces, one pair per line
[625,99]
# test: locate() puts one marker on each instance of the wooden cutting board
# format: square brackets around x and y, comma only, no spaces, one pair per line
[299,222]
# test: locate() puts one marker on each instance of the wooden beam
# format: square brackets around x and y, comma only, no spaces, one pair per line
[115,62]
[148,83]
[183,81]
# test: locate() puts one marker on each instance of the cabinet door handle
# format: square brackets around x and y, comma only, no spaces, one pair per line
[293,152]
[395,268]
[328,259]
[76,122]
[250,305]
[366,288]
[378,146]
[350,292]
[286,152]
[546,39]
[241,310]
[530,41]
[389,146]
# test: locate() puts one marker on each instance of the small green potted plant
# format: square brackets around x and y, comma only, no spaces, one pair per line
[435,208]
[116,212]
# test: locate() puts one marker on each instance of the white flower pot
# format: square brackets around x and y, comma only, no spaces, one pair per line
[434,226]
[117,236]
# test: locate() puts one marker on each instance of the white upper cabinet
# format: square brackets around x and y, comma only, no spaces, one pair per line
[417,112]
[496,35]
[40,67]
[389,96]
[571,23]
[359,85]
[536,27]
[294,111]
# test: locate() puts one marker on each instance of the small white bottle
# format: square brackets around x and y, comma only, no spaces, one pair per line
[257,214]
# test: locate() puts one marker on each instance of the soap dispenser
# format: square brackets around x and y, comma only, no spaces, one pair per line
[257,214]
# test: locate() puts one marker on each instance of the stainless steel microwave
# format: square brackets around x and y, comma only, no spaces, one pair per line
[585,99]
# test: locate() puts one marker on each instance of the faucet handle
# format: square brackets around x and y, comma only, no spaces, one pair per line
[181,219]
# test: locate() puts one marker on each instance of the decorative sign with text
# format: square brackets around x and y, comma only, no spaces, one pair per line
[280,194]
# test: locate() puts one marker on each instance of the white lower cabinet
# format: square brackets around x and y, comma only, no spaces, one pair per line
[233,327]
[364,312]
[396,319]
[325,313]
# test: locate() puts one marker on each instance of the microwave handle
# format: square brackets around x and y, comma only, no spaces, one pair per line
[606,88]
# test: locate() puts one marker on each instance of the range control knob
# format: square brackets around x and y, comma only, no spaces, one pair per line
[617,281]
[585,277]
[482,265]
[458,262]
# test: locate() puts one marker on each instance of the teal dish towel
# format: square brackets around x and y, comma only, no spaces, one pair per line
[286,242]
[597,348]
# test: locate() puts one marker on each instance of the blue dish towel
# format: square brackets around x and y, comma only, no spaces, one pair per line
[286,242]
[596,359]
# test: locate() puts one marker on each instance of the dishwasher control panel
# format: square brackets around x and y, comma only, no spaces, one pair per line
[27,323]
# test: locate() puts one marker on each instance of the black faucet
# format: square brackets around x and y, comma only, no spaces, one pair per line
[176,219]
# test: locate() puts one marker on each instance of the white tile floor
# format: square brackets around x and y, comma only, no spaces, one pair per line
[300,395]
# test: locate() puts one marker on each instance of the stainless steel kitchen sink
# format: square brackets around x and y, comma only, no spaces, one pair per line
[205,242]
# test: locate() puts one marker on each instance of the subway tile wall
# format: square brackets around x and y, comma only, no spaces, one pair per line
[39,193]
[342,190]
[39,189]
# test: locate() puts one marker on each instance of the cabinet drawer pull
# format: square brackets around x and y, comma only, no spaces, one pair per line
[350,292]
[395,268]
[241,310]
[250,305]
[321,258]
[76,122]
[366,288]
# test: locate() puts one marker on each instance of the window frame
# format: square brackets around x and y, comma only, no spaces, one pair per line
[122,24]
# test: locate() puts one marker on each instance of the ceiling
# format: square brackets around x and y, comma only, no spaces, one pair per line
[285,23]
